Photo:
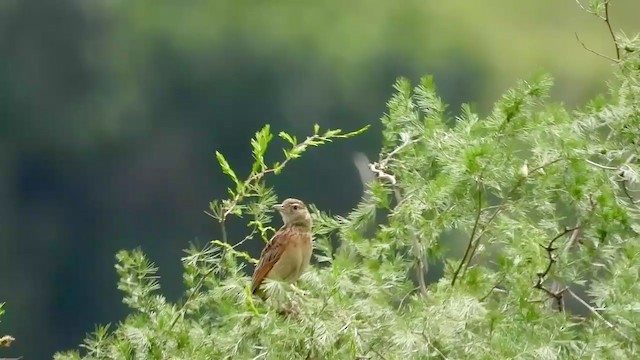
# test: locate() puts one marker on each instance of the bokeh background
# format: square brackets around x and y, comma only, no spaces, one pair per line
[111,111]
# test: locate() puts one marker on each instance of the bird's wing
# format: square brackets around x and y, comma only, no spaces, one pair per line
[270,256]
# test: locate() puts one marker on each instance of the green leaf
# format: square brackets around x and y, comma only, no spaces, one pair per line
[226,168]
[259,146]
[290,139]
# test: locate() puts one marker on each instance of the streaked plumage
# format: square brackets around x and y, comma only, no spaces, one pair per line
[288,253]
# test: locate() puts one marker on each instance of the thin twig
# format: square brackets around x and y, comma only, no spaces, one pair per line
[257,176]
[573,238]
[624,179]
[371,346]
[593,51]
[627,193]
[473,234]
[597,314]
[200,283]
[495,288]
[432,346]
[499,208]
[223,230]
[379,170]
[420,268]
[621,173]
[542,275]
[383,162]
[550,249]
[540,167]
[405,298]
[608,22]
[605,167]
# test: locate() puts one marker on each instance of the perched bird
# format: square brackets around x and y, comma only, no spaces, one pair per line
[288,252]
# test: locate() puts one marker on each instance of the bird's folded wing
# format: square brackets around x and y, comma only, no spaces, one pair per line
[270,256]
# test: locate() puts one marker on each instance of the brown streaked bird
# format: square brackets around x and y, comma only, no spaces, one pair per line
[288,252]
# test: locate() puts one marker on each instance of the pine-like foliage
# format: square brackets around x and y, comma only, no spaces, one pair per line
[543,201]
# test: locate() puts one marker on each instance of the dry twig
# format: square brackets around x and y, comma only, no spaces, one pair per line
[607,21]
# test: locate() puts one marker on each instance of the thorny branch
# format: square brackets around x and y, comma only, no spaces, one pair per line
[557,294]
[542,275]
[607,21]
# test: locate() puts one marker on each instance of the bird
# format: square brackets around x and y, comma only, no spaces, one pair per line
[287,255]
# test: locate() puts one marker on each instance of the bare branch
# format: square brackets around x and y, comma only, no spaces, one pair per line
[607,21]
[597,314]
[605,167]
[627,193]
[593,51]
[473,234]
[495,288]
[624,178]
[542,275]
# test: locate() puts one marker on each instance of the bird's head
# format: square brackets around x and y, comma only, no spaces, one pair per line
[294,212]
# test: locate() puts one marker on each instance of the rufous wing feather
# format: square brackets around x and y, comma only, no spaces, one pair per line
[269,257]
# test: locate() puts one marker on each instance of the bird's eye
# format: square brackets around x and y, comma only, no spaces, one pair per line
[295,207]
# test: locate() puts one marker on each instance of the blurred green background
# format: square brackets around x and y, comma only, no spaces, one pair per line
[111,110]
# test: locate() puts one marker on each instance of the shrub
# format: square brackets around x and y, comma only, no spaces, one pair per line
[543,200]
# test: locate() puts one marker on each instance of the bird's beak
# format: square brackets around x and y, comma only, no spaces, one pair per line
[278,207]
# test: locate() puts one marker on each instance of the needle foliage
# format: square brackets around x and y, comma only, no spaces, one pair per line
[542,202]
